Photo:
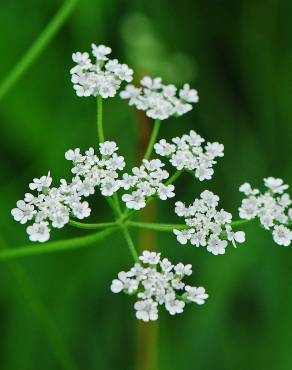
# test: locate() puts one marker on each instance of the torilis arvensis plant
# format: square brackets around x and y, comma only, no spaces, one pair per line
[153,279]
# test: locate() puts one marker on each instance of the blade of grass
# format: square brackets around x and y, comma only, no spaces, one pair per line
[37,47]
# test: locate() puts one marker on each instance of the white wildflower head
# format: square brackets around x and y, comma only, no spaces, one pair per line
[101,77]
[188,153]
[157,282]
[160,101]
[146,181]
[51,207]
[205,225]
[272,208]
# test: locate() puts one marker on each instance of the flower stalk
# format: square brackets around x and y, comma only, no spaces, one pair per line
[153,139]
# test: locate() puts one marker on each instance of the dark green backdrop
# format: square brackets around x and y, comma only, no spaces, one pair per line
[238,54]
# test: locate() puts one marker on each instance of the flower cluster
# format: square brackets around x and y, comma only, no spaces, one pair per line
[146,181]
[205,225]
[156,282]
[103,77]
[272,208]
[52,207]
[49,206]
[160,101]
[187,152]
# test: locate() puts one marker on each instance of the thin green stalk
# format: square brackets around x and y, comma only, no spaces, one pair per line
[125,230]
[100,132]
[174,177]
[156,226]
[241,222]
[170,227]
[152,140]
[58,246]
[117,204]
[130,243]
[102,225]
[38,46]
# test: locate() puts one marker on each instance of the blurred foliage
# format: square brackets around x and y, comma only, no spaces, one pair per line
[239,56]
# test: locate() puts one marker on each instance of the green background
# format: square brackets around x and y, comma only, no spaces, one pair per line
[57,309]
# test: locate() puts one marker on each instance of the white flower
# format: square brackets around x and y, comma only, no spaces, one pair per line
[100,52]
[109,186]
[115,162]
[181,269]
[271,208]
[166,265]
[238,236]
[24,212]
[182,236]
[196,295]
[136,200]
[189,95]
[132,93]
[181,210]
[158,282]
[204,173]
[204,224]
[174,306]
[214,150]
[128,181]
[54,206]
[108,148]
[74,155]
[282,235]
[81,210]
[104,77]
[187,153]
[275,185]
[150,257]
[82,59]
[151,84]
[41,184]
[124,73]
[39,232]
[247,189]
[158,100]
[117,286]
[165,191]
[146,310]
[146,182]
[249,208]
[216,246]
[163,148]
[210,199]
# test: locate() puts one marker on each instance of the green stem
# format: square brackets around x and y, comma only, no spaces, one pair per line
[117,204]
[170,227]
[156,226]
[38,46]
[152,140]
[86,226]
[58,246]
[99,120]
[130,243]
[241,222]
[174,177]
